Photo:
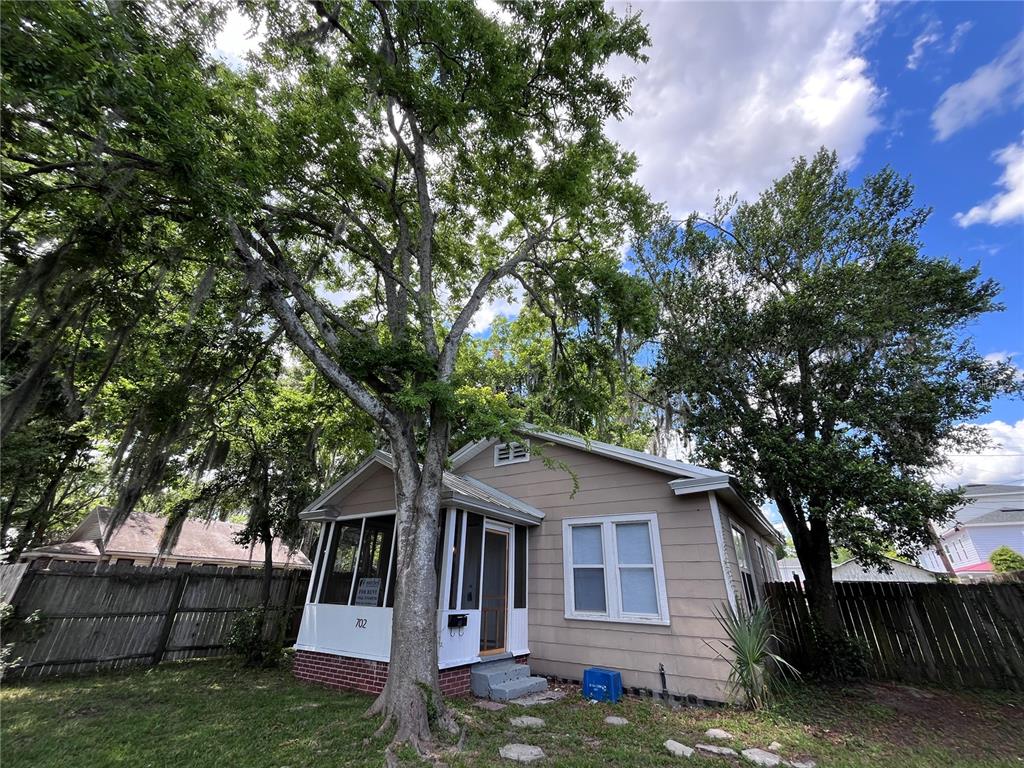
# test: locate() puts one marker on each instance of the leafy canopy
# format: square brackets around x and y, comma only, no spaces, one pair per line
[822,354]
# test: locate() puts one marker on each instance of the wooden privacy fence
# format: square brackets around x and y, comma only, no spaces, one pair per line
[954,634]
[101,616]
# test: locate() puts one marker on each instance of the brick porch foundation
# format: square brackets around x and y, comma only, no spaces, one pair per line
[349,673]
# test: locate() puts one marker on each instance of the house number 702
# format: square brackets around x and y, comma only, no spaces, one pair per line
[360,623]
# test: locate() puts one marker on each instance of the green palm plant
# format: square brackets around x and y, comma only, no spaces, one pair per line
[756,671]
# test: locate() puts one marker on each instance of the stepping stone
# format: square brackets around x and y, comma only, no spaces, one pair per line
[613,720]
[677,749]
[714,749]
[803,764]
[492,706]
[525,721]
[762,757]
[543,697]
[774,746]
[718,733]
[521,753]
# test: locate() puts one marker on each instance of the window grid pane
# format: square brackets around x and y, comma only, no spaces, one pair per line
[586,545]
[633,542]
[588,590]
[639,593]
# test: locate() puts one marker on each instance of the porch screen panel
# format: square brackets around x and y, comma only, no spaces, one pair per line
[389,600]
[341,562]
[453,590]
[519,596]
[442,529]
[471,569]
[374,558]
[319,557]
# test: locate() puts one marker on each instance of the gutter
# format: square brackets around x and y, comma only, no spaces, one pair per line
[687,486]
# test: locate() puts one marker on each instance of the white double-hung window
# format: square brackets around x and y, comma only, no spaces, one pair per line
[613,569]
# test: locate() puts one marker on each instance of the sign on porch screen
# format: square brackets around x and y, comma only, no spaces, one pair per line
[368,591]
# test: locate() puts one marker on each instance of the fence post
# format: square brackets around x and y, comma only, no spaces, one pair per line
[172,611]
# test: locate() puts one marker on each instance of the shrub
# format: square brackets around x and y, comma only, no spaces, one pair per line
[26,630]
[838,659]
[756,672]
[1006,560]
[257,638]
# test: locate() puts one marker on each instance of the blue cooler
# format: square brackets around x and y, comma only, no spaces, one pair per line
[602,684]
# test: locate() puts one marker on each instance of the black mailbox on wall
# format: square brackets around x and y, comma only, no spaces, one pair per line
[457,620]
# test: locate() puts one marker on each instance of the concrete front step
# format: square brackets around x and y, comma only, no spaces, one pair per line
[513,689]
[483,677]
[503,679]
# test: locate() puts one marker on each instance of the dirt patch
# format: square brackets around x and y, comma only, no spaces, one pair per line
[970,724]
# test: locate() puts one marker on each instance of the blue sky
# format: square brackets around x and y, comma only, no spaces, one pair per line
[734,91]
[955,173]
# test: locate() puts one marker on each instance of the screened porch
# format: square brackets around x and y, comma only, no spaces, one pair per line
[481,565]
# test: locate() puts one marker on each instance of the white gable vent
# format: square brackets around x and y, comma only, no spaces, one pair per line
[511,453]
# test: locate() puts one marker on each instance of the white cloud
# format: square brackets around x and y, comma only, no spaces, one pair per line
[1007,357]
[990,88]
[959,31]
[931,35]
[734,91]
[1006,206]
[1003,462]
[507,303]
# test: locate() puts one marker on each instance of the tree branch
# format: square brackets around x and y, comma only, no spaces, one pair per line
[264,284]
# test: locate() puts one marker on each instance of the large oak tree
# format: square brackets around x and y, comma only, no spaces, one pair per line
[826,359]
[378,171]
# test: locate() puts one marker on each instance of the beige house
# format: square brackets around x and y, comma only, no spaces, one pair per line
[563,552]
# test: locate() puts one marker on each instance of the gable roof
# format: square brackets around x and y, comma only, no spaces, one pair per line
[987,489]
[854,562]
[464,491]
[1004,516]
[616,452]
[685,479]
[790,565]
[139,536]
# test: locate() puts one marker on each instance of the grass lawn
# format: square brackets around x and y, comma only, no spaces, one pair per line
[214,713]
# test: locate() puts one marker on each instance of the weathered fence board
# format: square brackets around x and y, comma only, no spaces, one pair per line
[102,616]
[955,634]
[10,577]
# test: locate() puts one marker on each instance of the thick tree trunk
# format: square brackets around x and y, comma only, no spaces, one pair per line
[821,591]
[814,550]
[268,568]
[411,698]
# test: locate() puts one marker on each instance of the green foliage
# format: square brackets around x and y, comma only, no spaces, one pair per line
[1006,560]
[585,383]
[821,358]
[257,638]
[756,672]
[839,659]
[26,630]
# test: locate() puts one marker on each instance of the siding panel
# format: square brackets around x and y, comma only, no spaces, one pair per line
[694,580]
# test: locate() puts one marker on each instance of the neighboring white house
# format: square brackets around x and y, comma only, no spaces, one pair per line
[993,517]
[852,570]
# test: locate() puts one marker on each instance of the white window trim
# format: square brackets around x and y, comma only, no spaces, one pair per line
[512,459]
[612,587]
[748,566]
